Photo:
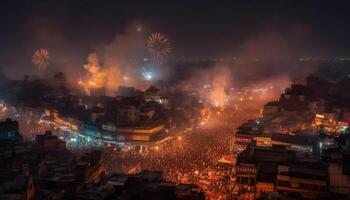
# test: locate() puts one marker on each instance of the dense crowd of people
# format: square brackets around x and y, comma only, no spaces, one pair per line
[29,122]
[191,158]
[188,158]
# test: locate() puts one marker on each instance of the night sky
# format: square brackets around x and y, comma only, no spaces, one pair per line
[71,29]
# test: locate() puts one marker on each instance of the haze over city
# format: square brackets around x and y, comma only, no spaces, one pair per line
[153,99]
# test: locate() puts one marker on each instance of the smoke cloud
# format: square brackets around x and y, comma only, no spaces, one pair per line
[116,64]
[220,83]
[267,56]
[263,62]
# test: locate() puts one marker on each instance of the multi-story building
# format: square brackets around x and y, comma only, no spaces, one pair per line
[270,110]
[90,167]
[143,185]
[310,181]
[9,130]
[48,142]
[129,111]
[145,134]
[263,168]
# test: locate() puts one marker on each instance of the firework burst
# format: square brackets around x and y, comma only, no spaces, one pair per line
[41,59]
[158,45]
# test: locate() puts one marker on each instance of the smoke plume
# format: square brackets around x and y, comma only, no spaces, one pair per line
[116,64]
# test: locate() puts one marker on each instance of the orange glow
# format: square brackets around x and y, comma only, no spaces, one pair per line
[92,83]
[96,76]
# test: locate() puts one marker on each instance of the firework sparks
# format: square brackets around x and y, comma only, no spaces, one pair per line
[147,75]
[138,28]
[41,59]
[158,46]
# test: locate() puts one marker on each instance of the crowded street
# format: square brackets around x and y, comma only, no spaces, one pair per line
[191,158]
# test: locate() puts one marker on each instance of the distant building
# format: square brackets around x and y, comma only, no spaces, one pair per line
[47,170]
[270,110]
[91,131]
[124,91]
[129,111]
[96,114]
[9,130]
[339,174]
[49,142]
[18,188]
[246,132]
[144,185]
[152,94]
[338,160]
[276,168]
[58,85]
[310,181]
[90,167]
[317,106]
[295,98]
[327,122]
[291,142]
[97,92]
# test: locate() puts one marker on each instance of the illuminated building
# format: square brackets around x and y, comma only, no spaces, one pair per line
[109,127]
[145,134]
[343,127]
[326,122]
[246,132]
[250,160]
[91,131]
[275,168]
[68,122]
